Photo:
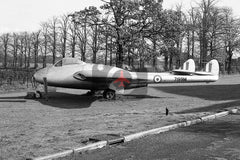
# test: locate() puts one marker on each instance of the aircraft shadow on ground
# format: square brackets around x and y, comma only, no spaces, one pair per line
[207,92]
[229,93]
[135,96]
[68,101]
[74,101]
[212,108]
[221,128]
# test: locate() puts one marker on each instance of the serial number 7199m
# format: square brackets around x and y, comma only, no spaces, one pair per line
[180,79]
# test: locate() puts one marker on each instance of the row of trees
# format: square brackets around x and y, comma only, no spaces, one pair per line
[129,32]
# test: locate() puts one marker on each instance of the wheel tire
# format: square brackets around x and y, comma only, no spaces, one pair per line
[109,94]
[38,95]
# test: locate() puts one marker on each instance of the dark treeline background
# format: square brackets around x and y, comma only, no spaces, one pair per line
[133,33]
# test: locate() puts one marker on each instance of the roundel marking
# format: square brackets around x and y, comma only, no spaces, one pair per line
[157,79]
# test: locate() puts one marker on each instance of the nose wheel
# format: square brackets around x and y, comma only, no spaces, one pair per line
[109,94]
[38,95]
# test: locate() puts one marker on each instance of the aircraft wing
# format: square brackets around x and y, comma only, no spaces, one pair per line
[182,72]
[187,73]
[203,73]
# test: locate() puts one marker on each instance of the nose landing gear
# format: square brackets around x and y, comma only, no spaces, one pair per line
[38,95]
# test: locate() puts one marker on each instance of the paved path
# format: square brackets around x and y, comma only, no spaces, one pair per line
[216,140]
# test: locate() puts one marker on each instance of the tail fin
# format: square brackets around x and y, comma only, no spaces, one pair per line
[189,65]
[212,67]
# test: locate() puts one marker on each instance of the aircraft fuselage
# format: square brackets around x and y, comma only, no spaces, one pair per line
[101,77]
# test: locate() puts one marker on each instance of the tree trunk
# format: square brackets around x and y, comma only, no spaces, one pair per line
[25,55]
[5,41]
[166,63]
[5,56]
[154,54]
[29,55]
[229,68]
[204,39]
[64,44]
[170,61]
[45,51]
[84,41]
[36,56]
[106,48]
[73,49]
[119,55]
[188,44]
[111,50]
[15,51]
[95,43]
[54,46]
[73,46]
[21,55]
[193,43]
[129,57]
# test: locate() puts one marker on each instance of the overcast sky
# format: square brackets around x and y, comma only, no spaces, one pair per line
[26,15]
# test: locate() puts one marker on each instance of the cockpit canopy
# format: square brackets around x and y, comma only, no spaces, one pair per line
[68,61]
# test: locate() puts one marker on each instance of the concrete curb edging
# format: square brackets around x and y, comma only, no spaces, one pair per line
[134,136]
[174,126]
[208,118]
[156,131]
[192,122]
[222,114]
[57,155]
[89,147]
[115,141]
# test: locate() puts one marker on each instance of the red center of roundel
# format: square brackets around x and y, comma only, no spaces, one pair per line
[121,79]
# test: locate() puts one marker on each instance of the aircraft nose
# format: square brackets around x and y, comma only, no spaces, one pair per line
[40,74]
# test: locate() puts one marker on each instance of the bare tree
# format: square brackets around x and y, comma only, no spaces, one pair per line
[81,19]
[231,36]
[94,22]
[120,11]
[82,38]
[36,42]
[25,48]
[15,47]
[191,31]
[45,42]
[206,7]
[53,35]
[217,24]
[21,49]
[73,38]
[29,49]
[64,25]
[5,41]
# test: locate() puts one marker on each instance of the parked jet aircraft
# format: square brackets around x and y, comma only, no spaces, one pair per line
[73,73]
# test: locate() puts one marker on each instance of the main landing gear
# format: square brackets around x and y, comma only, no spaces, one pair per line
[109,94]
